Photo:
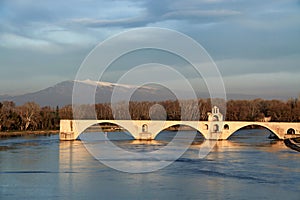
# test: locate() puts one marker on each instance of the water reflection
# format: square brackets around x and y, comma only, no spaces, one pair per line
[44,167]
[73,154]
[233,145]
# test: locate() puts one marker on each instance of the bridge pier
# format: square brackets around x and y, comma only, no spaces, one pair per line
[67,136]
[67,130]
[145,136]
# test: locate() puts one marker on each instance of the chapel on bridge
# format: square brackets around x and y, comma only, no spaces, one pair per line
[215,115]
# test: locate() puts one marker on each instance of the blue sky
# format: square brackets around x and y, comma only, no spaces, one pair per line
[256,44]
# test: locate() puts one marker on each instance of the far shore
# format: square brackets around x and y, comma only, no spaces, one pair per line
[4,134]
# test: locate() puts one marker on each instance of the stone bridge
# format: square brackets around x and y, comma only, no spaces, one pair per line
[213,129]
[149,129]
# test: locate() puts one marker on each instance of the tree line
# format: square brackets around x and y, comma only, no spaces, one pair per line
[30,116]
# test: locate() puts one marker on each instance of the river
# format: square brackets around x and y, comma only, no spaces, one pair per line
[248,166]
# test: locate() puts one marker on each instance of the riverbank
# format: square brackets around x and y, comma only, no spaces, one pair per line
[26,133]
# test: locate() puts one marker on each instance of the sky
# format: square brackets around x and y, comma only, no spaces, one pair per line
[255,44]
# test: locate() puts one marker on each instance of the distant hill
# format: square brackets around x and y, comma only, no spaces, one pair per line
[61,94]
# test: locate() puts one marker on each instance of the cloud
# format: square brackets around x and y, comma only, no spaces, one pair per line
[10,40]
[280,84]
[282,64]
[65,36]
[123,22]
[199,14]
[245,37]
[149,12]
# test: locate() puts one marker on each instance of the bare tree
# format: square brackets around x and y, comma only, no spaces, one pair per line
[7,115]
[66,112]
[29,113]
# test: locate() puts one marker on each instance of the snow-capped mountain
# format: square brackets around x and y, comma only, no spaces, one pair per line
[61,93]
[112,85]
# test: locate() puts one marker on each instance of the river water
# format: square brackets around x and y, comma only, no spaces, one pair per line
[248,166]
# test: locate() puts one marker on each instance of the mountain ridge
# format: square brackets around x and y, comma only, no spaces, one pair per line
[60,94]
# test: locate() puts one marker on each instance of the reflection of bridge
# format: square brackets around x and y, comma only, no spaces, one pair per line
[214,128]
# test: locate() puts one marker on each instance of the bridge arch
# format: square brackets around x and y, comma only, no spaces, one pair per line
[192,124]
[80,126]
[291,131]
[106,128]
[216,128]
[237,128]
[144,128]
[215,118]
[226,127]
[191,128]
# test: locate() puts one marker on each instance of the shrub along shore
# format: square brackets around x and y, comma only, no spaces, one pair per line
[5,134]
